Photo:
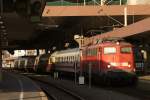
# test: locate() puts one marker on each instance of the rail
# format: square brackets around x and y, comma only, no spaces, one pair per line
[68,92]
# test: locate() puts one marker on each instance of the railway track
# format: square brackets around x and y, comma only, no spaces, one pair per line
[55,92]
[138,92]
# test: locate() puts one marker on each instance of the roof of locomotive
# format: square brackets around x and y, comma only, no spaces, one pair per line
[109,43]
[115,43]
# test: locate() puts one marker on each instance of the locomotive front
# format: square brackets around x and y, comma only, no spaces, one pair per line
[118,61]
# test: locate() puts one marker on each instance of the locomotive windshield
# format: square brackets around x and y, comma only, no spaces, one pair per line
[126,49]
[109,50]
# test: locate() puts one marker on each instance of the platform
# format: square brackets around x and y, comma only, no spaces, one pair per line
[146,77]
[18,87]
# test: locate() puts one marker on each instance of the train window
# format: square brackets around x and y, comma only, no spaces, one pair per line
[63,59]
[75,58]
[94,52]
[109,50]
[84,52]
[67,59]
[126,49]
[59,59]
[72,58]
[56,59]
[88,52]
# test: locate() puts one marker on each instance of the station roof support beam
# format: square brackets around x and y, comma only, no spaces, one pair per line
[97,10]
[132,29]
[140,28]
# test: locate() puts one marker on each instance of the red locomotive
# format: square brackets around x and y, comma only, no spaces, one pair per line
[110,61]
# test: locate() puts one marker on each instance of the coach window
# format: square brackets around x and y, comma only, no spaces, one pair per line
[109,50]
[73,58]
[56,59]
[67,59]
[76,58]
[63,59]
[60,59]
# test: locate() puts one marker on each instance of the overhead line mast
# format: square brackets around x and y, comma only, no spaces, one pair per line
[1,15]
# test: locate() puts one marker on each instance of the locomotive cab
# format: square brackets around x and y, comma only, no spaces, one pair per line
[118,56]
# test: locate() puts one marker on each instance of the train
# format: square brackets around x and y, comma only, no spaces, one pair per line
[107,61]
[25,63]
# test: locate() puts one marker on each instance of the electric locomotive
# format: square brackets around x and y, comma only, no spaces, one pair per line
[110,61]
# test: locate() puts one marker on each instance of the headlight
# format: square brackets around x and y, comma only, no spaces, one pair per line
[129,65]
[108,66]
